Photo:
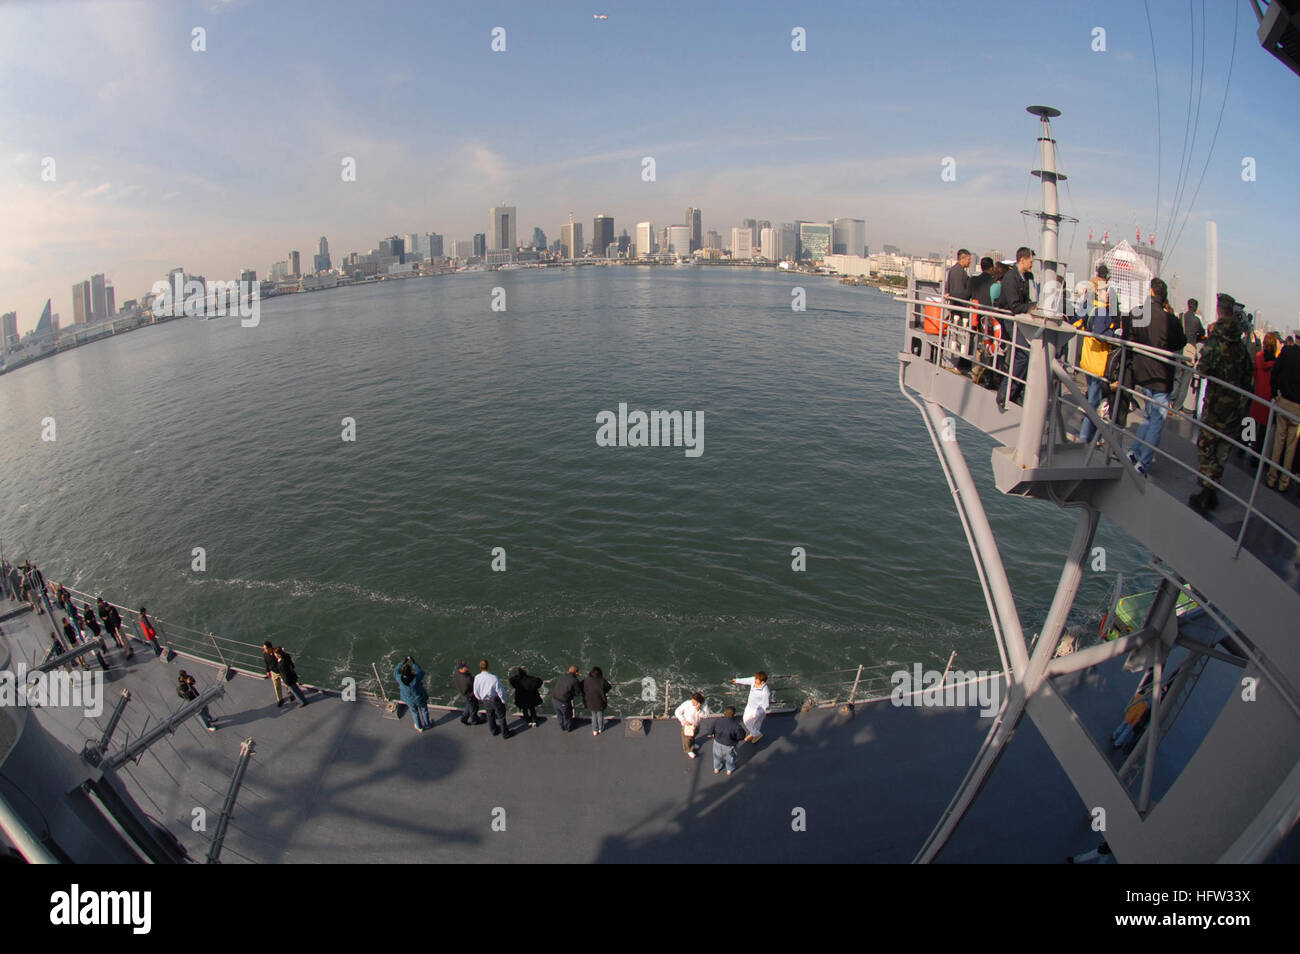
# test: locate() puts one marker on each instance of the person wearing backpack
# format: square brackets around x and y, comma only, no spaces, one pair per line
[1098,320]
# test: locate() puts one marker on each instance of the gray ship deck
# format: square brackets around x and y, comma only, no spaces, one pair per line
[340,782]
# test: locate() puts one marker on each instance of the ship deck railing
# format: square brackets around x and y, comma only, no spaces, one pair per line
[958,341]
[791,691]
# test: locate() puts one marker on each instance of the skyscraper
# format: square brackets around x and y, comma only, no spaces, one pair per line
[392,247]
[295,265]
[9,329]
[741,248]
[850,237]
[434,242]
[768,244]
[110,299]
[571,240]
[602,234]
[45,326]
[81,310]
[752,225]
[624,242]
[321,261]
[712,240]
[539,239]
[815,240]
[480,244]
[644,239]
[98,300]
[693,223]
[679,241]
[501,229]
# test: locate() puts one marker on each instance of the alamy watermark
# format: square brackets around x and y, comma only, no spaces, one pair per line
[655,429]
[195,299]
[60,688]
[931,688]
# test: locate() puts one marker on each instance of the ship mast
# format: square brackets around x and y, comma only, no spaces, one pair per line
[1050,214]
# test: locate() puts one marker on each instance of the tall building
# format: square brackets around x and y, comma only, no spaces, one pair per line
[392,247]
[895,250]
[501,229]
[679,241]
[98,299]
[741,243]
[752,225]
[45,327]
[480,244]
[624,242]
[602,234]
[250,275]
[539,239]
[81,310]
[815,240]
[850,237]
[693,223]
[571,240]
[644,240]
[767,244]
[110,299]
[295,265]
[462,249]
[661,240]
[712,240]
[321,260]
[9,329]
[433,243]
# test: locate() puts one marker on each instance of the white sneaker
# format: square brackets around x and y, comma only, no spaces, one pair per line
[595,732]
[690,755]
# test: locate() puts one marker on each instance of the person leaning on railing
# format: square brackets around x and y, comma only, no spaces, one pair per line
[1225,358]
[1286,430]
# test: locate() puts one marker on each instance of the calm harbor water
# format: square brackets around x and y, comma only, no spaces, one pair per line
[476,429]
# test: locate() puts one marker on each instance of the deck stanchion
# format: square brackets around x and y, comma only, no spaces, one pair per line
[667,695]
[856,679]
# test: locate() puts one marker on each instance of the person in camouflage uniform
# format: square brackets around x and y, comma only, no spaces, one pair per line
[1224,357]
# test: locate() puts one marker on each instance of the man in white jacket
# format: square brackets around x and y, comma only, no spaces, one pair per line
[689,714]
[760,700]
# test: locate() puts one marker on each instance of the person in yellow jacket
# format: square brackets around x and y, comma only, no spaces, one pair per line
[1098,318]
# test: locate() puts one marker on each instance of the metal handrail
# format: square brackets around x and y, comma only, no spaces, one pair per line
[1062,325]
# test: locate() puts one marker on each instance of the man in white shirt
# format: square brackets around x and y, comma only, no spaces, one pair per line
[689,714]
[487,690]
[760,700]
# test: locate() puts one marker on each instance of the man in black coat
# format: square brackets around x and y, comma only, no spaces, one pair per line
[289,673]
[1156,326]
[566,687]
[463,680]
[1015,299]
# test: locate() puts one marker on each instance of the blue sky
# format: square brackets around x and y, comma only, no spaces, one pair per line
[230,157]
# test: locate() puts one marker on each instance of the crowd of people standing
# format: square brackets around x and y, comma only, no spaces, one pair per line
[1119,379]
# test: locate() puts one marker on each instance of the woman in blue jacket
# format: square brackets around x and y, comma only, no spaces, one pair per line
[410,682]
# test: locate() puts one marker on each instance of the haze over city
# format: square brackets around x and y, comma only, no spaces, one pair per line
[227,158]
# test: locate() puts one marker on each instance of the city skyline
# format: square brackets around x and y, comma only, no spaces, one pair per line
[841,135]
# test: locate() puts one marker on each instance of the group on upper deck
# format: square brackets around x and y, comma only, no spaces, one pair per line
[1210,375]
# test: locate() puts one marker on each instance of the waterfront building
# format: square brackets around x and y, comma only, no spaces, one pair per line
[480,244]
[539,239]
[815,240]
[81,310]
[713,240]
[45,326]
[742,242]
[501,231]
[624,242]
[768,247]
[571,240]
[9,329]
[433,245]
[693,219]
[392,246]
[295,265]
[110,300]
[250,275]
[98,299]
[602,234]
[679,241]
[644,240]
[850,237]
